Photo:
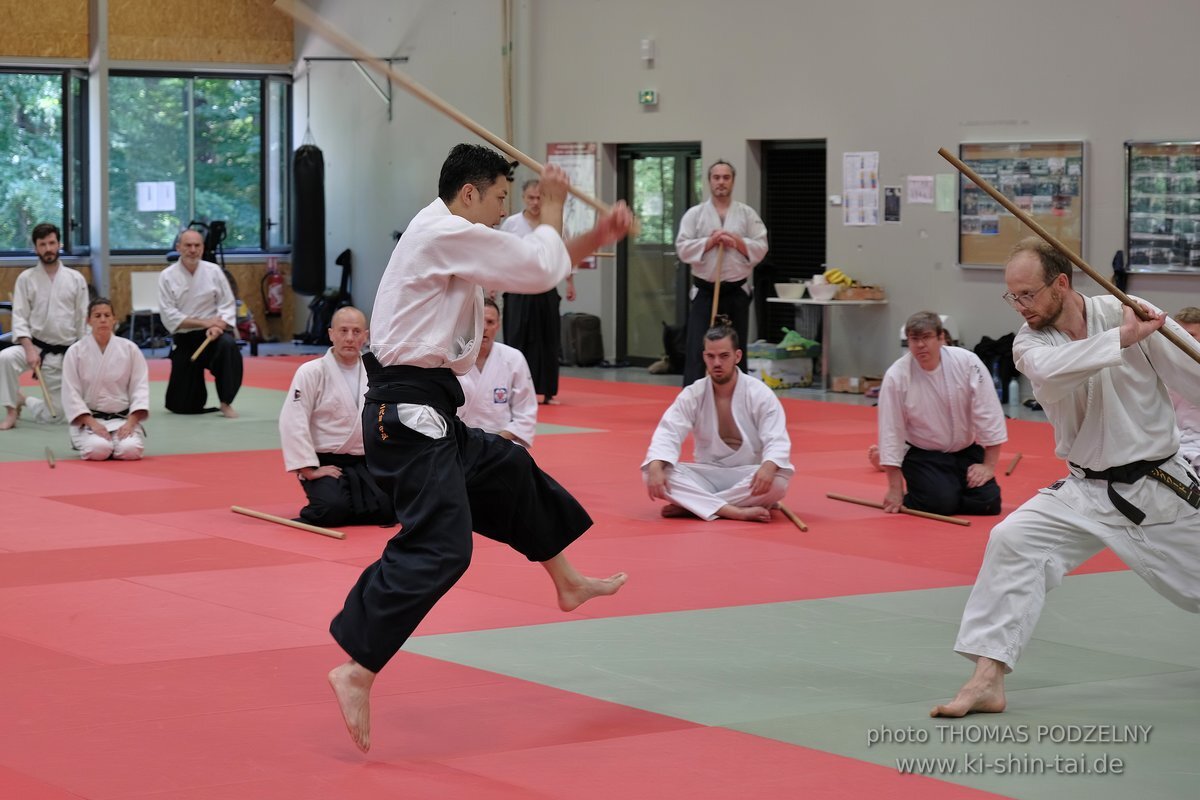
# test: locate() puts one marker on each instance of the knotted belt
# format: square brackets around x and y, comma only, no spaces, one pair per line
[46,348]
[1131,473]
[109,414]
[708,286]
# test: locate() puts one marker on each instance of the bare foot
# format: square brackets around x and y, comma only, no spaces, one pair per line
[227,411]
[10,419]
[550,401]
[873,457]
[351,684]
[572,597]
[982,694]
[671,510]
[746,514]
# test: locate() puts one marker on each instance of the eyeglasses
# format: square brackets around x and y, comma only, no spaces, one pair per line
[1023,300]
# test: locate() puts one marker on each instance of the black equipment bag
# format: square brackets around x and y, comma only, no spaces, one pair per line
[323,306]
[582,343]
[308,220]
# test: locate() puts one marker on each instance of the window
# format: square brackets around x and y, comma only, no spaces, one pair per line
[42,160]
[185,148]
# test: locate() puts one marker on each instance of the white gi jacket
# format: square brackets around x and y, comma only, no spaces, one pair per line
[204,293]
[109,381]
[54,311]
[1187,417]
[501,397]
[756,411]
[429,306]
[320,415]
[697,225]
[946,409]
[1109,406]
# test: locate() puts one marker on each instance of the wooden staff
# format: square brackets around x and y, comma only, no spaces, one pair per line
[903,510]
[1032,224]
[200,349]
[712,320]
[1016,460]
[310,19]
[50,457]
[45,392]
[787,512]
[291,523]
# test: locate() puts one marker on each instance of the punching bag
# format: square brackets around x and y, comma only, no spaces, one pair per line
[308,220]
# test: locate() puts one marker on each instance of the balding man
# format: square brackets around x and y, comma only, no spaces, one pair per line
[196,304]
[320,428]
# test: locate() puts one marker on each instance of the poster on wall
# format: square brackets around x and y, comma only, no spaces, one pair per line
[860,188]
[579,161]
[891,204]
[920,189]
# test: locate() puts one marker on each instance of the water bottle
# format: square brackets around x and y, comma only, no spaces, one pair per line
[996,379]
[1014,393]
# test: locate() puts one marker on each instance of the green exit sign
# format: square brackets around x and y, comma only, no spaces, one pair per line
[648,97]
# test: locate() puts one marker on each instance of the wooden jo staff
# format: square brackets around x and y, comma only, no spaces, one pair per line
[291,523]
[310,19]
[903,510]
[712,320]
[45,392]
[203,345]
[787,512]
[1016,460]
[1032,224]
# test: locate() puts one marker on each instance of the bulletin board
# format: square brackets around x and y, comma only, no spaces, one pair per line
[1162,220]
[1043,179]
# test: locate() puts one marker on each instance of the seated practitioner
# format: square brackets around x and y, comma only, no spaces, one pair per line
[196,303]
[106,390]
[499,391]
[940,426]
[873,450]
[742,448]
[49,310]
[1187,413]
[320,428]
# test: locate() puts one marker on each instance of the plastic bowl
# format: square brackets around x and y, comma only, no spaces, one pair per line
[823,291]
[790,291]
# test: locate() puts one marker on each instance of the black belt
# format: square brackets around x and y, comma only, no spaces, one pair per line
[109,414]
[1131,473]
[708,286]
[46,347]
[404,383]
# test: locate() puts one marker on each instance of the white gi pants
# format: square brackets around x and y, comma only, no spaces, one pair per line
[1035,546]
[12,364]
[703,488]
[93,447]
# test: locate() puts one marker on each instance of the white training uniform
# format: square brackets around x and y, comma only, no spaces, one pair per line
[200,294]
[721,475]
[110,382]
[697,225]
[321,414]
[501,397]
[946,409]
[52,310]
[1187,417]
[1109,406]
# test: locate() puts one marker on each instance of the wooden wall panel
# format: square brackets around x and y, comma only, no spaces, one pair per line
[44,29]
[222,31]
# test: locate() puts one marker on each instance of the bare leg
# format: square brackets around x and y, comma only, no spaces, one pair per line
[983,693]
[745,513]
[574,589]
[351,684]
[873,457]
[672,510]
[227,410]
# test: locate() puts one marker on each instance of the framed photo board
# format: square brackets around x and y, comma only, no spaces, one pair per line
[1162,206]
[1043,179]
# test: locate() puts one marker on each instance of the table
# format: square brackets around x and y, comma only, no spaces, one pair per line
[825,317]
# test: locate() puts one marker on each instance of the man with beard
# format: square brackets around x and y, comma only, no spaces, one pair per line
[1102,376]
[940,426]
[49,315]
[724,232]
[742,449]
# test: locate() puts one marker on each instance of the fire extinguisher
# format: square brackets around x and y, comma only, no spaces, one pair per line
[272,289]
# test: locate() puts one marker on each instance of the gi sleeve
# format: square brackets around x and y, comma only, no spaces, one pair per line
[169,310]
[72,385]
[522,402]
[690,242]
[139,382]
[987,417]
[22,308]
[295,428]
[772,429]
[893,430]
[676,423]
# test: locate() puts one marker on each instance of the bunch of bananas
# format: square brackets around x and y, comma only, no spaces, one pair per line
[836,276]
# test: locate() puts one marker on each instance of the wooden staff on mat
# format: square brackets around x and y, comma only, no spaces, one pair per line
[310,19]
[1032,224]
[45,392]
[291,523]
[787,512]
[203,345]
[50,457]
[712,320]
[1016,460]
[903,510]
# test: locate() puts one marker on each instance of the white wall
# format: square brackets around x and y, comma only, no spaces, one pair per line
[901,78]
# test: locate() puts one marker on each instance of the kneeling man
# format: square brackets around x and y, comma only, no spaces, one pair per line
[499,392]
[742,449]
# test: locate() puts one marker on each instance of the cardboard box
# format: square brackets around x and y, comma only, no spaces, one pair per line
[782,373]
[851,384]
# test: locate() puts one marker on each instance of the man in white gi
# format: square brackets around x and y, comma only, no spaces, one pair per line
[106,391]
[743,453]
[49,315]
[1101,373]
[531,321]
[196,304]
[499,392]
[1187,413]
[940,426]
[721,231]
[448,479]
[320,429]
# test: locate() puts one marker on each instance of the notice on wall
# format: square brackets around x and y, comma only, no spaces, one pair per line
[579,161]
[891,204]
[156,195]
[860,188]
[920,189]
[947,187]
